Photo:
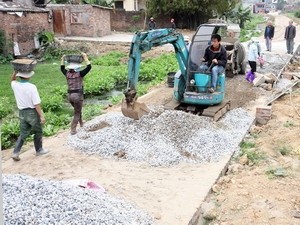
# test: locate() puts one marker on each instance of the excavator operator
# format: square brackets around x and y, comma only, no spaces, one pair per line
[216,59]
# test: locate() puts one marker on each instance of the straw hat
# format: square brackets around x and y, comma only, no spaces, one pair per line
[25,74]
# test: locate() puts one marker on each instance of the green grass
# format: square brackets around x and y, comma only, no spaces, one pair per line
[248,149]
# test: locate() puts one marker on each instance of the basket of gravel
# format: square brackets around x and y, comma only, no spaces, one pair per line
[74,58]
[23,65]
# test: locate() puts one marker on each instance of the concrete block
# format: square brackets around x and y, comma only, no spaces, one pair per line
[263,114]
[287,75]
[258,80]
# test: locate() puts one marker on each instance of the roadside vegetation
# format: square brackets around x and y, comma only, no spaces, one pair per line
[109,72]
[253,27]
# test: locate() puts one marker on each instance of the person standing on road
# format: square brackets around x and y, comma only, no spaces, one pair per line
[216,58]
[253,54]
[151,24]
[75,88]
[30,113]
[269,34]
[289,35]
[173,25]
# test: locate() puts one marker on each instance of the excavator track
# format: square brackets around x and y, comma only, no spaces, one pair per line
[215,112]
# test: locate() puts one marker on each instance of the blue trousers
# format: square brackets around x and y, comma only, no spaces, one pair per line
[215,71]
[268,43]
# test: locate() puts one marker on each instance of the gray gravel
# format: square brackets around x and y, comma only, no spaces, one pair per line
[164,137]
[27,200]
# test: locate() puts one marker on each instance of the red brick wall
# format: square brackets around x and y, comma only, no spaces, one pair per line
[93,21]
[132,20]
[126,20]
[23,29]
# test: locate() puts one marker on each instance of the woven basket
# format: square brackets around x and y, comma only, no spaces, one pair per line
[74,58]
[23,65]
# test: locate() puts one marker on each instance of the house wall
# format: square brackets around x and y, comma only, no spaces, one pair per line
[134,5]
[85,20]
[129,5]
[126,21]
[134,20]
[23,29]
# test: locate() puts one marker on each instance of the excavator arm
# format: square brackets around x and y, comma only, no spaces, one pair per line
[142,42]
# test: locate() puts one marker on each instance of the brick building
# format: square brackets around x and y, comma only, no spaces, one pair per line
[80,20]
[20,24]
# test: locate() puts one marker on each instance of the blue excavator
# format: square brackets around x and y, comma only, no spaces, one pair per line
[190,82]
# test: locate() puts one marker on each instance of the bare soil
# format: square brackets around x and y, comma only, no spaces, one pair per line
[249,193]
[253,194]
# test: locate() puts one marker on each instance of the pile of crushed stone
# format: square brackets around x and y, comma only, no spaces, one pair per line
[164,137]
[27,200]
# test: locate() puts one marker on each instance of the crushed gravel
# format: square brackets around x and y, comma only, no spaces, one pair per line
[164,137]
[27,200]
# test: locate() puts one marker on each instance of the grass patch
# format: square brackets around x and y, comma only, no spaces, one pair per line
[289,123]
[248,149]
[276,172]
[247,145]
[284,150]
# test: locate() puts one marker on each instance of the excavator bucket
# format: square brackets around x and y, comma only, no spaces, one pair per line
[134,110]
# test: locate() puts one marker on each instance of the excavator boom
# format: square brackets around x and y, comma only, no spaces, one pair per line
[142,42]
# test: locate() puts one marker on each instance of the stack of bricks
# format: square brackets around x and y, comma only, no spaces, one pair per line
[263,114]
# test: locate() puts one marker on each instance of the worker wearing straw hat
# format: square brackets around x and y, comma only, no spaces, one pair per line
[30,112]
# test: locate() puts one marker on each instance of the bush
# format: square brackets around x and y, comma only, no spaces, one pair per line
[297,14]
[5,107]
[89,111]
[54,122]
[10,131]
[110,59]
[52,102]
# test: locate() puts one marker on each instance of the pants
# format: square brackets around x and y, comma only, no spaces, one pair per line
[76,100]
[29,122]
[215,71]
[290,46]
[268,43]
[253,66]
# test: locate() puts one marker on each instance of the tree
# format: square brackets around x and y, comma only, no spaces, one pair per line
[190,12]
[241,15]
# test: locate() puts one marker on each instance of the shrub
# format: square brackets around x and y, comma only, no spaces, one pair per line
[54,122]
[89,111]
[52,102]
[10,130]
[110,59]
[5,107]
[297,14]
